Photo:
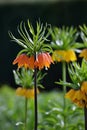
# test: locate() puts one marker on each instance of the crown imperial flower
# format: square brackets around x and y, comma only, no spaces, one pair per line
[78,75]
[83,54]
[84,87]
[33,42]
[64,55]
[43,60]
[28,93]
[78,97]
[22,61]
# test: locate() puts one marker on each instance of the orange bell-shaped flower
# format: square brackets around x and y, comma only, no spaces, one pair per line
[83,54]
[24,61]
[84,87]
[43,60]
[28,93]
[64,55]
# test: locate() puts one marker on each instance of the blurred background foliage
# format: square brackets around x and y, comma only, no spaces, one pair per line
[54,12]
[50,112]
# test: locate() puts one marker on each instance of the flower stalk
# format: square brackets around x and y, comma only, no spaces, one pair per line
[64,86]
[35,95]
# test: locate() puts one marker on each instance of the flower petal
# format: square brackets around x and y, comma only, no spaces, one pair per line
[43,60]
[83,54]
[28,93]
[64,55]
[24,61]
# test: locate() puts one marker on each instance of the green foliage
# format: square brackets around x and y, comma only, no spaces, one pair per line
[12,110]
[25,78]
[32,40]
[64,38]
[77,73]
[54,113]
[50,112]
[83,34]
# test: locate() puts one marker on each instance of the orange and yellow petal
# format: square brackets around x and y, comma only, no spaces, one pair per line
[28,93]
[77,97]
[58,55]
[31,62]
[70,94]
[24,61]
[20,91]
[83,54]
[64,55]
[43,60]
[70,56]
[84,87]
[80,104]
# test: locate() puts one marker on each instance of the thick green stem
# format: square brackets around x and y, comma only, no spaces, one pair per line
[35,97]
[25,124]
[85,115]
[64,87]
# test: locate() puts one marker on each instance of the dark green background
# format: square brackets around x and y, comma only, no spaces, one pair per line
[59,13]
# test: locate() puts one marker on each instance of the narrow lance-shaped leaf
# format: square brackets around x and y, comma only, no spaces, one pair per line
[16,40]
